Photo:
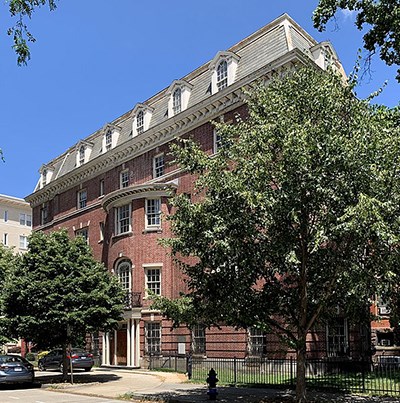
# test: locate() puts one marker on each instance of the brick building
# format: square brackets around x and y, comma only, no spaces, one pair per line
[113,187]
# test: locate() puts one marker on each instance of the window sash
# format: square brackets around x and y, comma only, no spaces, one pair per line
[222,75]
[124,275]
[124,179]
[257,342]
[140,122]
[153,212]
[153,280]
[23,242]
[82,155]
[108,140]
[199,340]
[337,338]
[83,232]
[123,217]
[177,101]
[82,198]
[153,338]
[158,165]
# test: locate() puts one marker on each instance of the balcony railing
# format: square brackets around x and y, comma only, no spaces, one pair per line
[133,299]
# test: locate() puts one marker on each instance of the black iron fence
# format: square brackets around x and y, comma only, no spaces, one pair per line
[331,374]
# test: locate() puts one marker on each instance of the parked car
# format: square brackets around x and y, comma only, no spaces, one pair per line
[15,369]
[54,360]
[388,362]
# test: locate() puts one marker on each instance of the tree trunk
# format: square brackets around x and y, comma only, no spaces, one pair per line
[301,372]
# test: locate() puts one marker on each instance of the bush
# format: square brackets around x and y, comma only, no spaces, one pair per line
[30,356]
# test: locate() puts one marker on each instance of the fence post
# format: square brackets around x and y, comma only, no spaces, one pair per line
[234,371]
[291,371]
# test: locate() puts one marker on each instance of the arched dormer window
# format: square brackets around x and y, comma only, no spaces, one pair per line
[223,70]
[177,101]
[222,75]
[179,94]
[108,140]
[46,173]
[110,136]
[83,151]
[141,115]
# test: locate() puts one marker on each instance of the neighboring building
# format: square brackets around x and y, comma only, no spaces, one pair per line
[15,222]
[113,187]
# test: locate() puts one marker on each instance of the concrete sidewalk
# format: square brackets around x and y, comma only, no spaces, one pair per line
[141,385]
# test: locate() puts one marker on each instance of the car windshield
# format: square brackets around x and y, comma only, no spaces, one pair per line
[11,358]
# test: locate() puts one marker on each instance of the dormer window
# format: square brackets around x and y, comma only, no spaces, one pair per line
[141,119]
[177,101]
[223,70]
[44,177]
[110,136]
[46,172]
[108,140]
[222,75]
[179,94]
[140,122]
[82,155]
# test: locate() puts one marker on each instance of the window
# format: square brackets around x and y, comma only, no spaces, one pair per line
[124,274]
[43,215]
[44,177]
[222,75]
[82,198]
[199,340]
[177,101]
[23,242]
[158,166]
[153,338]
[337,338]
[81,155]
[101,188]
[124,179]
[140,122]
[5,215]
[5,239]
[153,280]
[25,219]
[84,233]
[257,342]
[123,219]
[153,213]
[102,230]
[108,140]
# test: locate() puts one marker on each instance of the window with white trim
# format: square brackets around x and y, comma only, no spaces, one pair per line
[82,198]
[5,239]
[122,219]
[153,338]
[102,230]
[199,340]
[177,101]
[84,233]
[153,280]
[158,166]
[44,177]
[257,342]
[153,213]
[25,219]
[108,141]
[337,338]
[5,215]
[222,75]
[140,122]
[81,154]
[123,272]
[23,242]
[124,179]
[101,187]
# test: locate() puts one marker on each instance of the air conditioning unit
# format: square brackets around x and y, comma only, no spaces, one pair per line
[385,342]
[383,310]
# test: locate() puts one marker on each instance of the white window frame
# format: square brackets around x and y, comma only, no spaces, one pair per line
[22,219]
[177,101]
[158,165]
[153,279]
[124,179]
[83,232]
[257,342]
[82,154]
[5,239]
[337,338]
[199,340]
[101,231]
[101,188]
[108,140]
[140,122]
[222,75]
[82,199]
[153,338]
[23,242]
[123,271]
[123,224]
[153,213]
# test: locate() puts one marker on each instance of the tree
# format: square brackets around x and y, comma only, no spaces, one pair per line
[58,293]
[382,19]
[20,33]
[299,214]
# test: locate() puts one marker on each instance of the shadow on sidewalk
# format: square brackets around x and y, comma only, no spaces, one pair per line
[79,378]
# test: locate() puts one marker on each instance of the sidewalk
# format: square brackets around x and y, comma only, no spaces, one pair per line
[142,385]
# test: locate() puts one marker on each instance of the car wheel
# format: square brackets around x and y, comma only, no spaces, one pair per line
[88,369]
[41,367]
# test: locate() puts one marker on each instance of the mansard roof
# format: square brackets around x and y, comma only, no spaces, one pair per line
[280,42]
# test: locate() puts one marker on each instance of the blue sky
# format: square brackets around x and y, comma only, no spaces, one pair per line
[95,59]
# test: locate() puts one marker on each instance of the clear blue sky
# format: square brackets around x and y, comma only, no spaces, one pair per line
[95,59]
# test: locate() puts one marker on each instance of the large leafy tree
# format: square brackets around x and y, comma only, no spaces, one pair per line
[58,293]
[300,212]
[381,19]
[22,9]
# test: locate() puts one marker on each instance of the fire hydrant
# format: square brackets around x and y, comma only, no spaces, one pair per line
[212,384]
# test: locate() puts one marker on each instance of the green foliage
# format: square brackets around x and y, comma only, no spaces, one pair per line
[380,18]
[58,292]
[30,356]
[20,33]
[300,216]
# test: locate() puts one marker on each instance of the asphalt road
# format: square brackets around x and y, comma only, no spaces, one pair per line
[24,394]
